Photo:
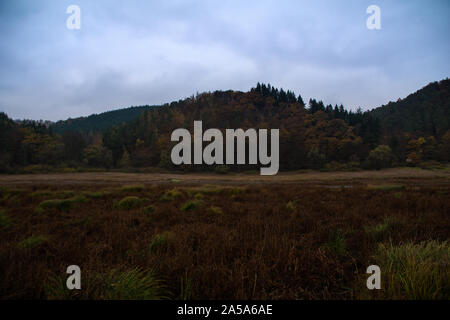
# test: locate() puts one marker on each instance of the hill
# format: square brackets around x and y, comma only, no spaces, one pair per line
[98,122]
[313,136]
[425,112]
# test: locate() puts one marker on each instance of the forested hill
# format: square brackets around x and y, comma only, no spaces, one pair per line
[313,135]
[425,112]
[99,122]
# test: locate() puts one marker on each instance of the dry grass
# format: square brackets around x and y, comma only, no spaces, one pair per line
[282,241]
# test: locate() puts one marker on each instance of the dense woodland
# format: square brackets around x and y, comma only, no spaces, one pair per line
[410,131]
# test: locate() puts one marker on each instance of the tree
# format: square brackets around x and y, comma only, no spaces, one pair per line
[444,147]
[380,157]
[315,158]
[97,156]
[124,161]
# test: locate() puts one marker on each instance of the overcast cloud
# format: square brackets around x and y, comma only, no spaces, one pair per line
[151,52]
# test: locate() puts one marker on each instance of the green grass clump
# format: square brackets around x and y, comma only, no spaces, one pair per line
[130,202]
[199,196]
[415,271]
[32,242]
[386,187]
[59,204]
[216,210]
[191,205]
[160,242]
[133,188]
[171,195]
[149,209]
[383,230]
[336,243]
[134,284]
[292,205]
[5,221]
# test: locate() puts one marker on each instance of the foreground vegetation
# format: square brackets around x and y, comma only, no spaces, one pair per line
[180,241]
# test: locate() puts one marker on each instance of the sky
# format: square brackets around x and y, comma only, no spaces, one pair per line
[147,52]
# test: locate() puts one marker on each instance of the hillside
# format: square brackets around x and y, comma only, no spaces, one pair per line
[99,122]
[312,136]
[425,112]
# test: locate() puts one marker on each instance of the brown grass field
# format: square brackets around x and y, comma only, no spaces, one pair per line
[205,236]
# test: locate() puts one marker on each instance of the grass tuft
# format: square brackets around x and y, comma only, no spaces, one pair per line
[383,230]
[32,242]
[171,195]
[59,204]
[5,221]
[415,271]
[134,284]
[191,205]
[130,202]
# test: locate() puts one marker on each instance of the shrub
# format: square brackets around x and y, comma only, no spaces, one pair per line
[415,271]
[130,202]
[32,242]
[380,157]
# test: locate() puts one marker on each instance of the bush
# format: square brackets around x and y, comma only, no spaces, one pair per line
[380,157]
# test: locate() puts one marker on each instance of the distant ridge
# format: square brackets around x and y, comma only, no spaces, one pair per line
[99,122]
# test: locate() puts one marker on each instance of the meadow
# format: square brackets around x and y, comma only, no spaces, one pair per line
[236,239]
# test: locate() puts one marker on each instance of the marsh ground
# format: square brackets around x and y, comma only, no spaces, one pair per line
[200,236]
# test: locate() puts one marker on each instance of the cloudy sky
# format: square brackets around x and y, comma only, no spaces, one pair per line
[151,52]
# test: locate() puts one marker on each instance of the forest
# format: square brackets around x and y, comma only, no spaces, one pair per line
[413,131]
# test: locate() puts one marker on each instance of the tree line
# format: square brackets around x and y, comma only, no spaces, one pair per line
[312,135]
